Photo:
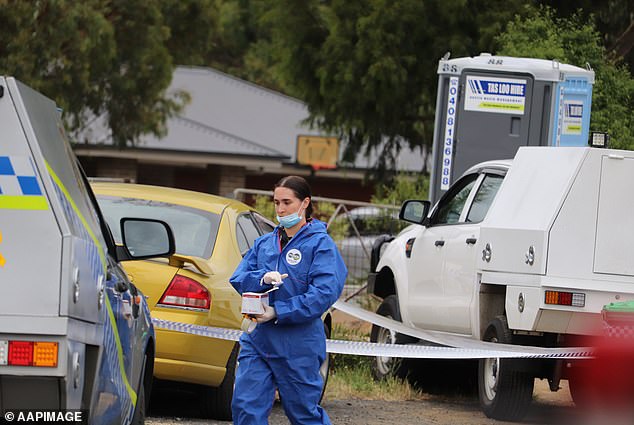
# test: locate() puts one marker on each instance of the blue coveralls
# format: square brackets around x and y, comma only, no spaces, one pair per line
[286,352]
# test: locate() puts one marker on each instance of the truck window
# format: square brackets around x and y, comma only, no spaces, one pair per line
[484,198]
[452,204]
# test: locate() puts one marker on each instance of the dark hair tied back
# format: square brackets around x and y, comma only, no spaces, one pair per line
[300,188]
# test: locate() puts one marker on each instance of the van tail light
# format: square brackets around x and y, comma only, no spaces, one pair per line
[185,292]
[45,354]
[29,353]
[20,353]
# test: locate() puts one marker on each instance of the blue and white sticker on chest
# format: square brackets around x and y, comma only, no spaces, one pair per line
[293,257]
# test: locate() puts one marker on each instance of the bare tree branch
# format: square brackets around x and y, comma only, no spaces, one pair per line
[624,43]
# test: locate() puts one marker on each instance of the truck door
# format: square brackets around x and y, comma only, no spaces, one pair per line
[426,302]
[458,274]
[493,119]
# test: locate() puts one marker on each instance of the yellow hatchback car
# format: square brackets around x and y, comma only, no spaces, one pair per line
[211,234]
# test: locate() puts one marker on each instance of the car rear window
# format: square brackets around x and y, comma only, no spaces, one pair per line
[194,230]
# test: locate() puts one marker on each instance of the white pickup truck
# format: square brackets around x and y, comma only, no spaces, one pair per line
[524,252]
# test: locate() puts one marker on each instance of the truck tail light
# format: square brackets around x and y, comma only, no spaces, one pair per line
[573,299]
[186,292]
[28,353]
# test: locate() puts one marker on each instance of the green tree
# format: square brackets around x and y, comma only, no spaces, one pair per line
[240,44]
[614,19]
[193,29]
[367,68]
[110,57]
[575,40]
[405,186]
[402,187]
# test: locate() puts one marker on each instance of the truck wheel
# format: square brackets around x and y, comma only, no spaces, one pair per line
[384,367]
[216,402]
[505,393]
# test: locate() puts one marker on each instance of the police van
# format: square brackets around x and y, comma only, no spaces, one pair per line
[75,334]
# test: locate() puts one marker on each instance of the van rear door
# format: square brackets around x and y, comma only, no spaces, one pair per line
[53,266]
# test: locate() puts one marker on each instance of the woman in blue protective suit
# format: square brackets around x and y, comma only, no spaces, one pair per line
[288,345]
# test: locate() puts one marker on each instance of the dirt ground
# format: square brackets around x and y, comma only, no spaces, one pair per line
[547,408]
[441,407]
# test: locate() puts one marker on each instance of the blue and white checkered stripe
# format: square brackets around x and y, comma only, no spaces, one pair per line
[112,355]
[208,331]
[17,177]
[91,250]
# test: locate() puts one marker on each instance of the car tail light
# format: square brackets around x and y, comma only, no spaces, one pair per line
[573,299]
[28,353]
[186,292]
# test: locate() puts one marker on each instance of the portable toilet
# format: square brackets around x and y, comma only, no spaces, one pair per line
[488,106]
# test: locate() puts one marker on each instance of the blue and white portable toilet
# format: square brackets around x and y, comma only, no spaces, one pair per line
[488,106]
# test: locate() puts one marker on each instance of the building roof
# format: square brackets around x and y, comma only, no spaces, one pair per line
[230,116]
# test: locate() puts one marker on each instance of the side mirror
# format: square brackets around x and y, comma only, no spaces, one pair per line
[414,211]
[145,238]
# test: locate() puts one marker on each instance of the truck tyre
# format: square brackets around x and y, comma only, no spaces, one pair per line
[216,401]
[384,367]
[505,393]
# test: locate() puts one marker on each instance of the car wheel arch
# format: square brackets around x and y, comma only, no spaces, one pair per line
[492,300]
[385,283]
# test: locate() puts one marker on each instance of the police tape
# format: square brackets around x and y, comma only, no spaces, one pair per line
[445,346]
[463,342]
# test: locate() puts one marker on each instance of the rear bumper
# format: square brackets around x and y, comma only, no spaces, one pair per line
[191,358]
[191,373]
[31,392]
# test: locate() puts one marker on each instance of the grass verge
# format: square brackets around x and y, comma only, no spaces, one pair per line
[351,376]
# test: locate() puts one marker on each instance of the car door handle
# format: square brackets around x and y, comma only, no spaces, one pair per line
[471,241]
[439,243]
